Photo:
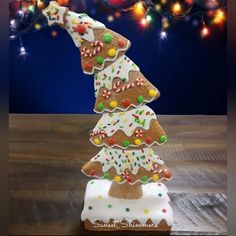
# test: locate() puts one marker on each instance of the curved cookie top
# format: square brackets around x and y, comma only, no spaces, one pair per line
[125,121]
[119,69]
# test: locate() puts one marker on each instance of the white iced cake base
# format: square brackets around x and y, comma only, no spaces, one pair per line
[153,205]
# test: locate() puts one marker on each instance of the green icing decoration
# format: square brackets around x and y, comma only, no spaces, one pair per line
[144,178]
[106,175]
[140,99]
[160,195]
[126,143]
[163,138]
[107,38]
[90,207]
[100,60]
[127,209]
[101,106]
[109,206]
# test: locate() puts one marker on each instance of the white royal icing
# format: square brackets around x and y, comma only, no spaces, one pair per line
[54,13]
[73,19]
[120,68]
[126,121]
[127,159]
[154,204]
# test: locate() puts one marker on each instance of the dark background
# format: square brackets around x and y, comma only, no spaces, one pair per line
[189,71]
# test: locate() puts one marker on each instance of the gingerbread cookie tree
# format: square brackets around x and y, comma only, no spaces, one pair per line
[126,130]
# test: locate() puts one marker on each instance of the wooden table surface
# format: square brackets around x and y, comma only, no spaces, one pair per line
[47,187]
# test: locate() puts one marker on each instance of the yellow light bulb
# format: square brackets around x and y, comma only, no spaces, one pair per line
[176,8]
[139,9]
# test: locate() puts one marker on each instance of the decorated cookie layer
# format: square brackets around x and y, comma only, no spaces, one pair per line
[134,128]
[119,69]
[121,87]
[130,166]
[153,205]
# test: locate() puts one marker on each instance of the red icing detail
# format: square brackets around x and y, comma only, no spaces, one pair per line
[87,67]
[148,140]
[111,141]
[81,29]
[126,103]
[167,174]
[164,210]
[121,43]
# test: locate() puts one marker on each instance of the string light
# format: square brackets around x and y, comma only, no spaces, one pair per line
[144,22]
[205,32]
[139,9]
[219,17]
[148,18]
[110,18]
[23,52]
[163,35]
[176,8]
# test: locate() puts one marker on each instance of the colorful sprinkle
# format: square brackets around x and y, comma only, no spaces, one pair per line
[117,178]
[152,93]
[101,106]
[126,143]
[163,138]
[155,177]
[140,99]
[100,60]
[107,38]
[97,141]
[112,52]
[113,104]
[138,142]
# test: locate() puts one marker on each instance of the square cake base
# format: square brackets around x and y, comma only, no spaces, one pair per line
[102,212]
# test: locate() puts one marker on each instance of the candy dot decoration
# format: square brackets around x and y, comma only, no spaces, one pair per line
[90,208]
[138,142]
[111,141]
[155,177]
[100,60]
[112,52]
[121,43]
[126,103]
[127,209]
[140,99]
[163,139]
[81,29]
[146,211]
[106,175]
[97,141]
[144,179]
[152,93]
[117,178]
[164,210]
[101,106]
[149,140]
[87,66]
[126,143]
[107,38]
[113,104]
[109,206]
